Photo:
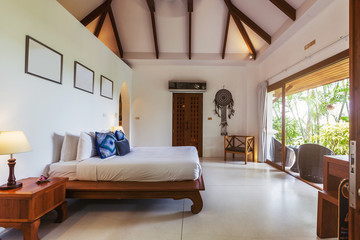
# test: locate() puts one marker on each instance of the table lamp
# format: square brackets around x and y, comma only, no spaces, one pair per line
[114,128]
[12,142]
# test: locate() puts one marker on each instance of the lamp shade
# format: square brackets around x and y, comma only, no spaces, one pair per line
[114,128]
[13,142]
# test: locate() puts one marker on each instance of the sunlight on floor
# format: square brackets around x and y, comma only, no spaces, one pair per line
[247,202]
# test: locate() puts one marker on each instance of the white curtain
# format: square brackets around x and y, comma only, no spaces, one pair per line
[262,110]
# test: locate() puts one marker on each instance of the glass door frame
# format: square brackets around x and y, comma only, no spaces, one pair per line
[282,84]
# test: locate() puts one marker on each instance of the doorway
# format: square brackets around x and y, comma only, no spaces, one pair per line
[187,127]
[120,111]
[124,109]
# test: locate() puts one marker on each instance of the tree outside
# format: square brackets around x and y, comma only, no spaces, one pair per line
[319,115]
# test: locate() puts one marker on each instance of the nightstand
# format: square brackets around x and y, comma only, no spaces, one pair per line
[336,168]
[22,208]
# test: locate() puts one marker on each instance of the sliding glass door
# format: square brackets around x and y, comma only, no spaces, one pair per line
[316,121]
[308,117]
[274,127]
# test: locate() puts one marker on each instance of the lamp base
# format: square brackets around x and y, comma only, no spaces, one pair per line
[9,187]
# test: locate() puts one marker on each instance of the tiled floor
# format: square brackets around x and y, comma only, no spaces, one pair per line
[240,202]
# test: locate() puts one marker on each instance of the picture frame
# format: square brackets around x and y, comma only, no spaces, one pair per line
[43,61]
[106,87]
[83,78]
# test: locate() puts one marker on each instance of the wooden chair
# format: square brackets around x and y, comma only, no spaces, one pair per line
[237,144]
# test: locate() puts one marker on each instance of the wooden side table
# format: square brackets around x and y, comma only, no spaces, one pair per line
[22,208]
[336,168]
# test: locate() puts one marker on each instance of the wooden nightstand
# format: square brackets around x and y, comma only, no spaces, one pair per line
[22,208]
[336,168]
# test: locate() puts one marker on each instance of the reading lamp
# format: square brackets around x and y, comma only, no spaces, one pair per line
[114,128]
[12,142]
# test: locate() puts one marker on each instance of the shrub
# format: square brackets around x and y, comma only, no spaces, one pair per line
[336,137]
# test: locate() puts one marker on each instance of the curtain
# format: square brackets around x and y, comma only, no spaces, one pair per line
[262,113]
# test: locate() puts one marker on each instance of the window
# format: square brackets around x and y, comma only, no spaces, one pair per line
[316,112]
[274,126]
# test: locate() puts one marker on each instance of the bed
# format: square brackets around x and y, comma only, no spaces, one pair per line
[144,173]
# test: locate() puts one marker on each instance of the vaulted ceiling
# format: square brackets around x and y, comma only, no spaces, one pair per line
[236,30]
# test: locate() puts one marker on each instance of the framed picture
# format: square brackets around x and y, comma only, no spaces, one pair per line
[106,87]
[42,61]
[83,78]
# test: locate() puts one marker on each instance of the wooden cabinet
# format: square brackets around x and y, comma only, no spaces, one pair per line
[22,208]
[336,168]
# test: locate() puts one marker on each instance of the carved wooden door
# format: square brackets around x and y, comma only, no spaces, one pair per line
[187,120]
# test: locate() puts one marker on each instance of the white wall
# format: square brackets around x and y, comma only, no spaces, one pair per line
[328,28]
[152,103]
[40,107]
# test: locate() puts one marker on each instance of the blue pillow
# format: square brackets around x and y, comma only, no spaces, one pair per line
[105,144]
[122,147]
[120,135]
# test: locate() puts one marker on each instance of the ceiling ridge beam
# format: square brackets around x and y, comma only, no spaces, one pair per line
[285,8]
[250,23]
[226,34]
[100,24]
[151,5]
[190,10]
[116,33]
[245,36]
[95,13]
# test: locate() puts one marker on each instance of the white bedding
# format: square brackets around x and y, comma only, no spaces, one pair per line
[144,164]
[64,169]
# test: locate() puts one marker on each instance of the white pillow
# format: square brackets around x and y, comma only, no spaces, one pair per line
[69,148]
[58,140]
[86,148]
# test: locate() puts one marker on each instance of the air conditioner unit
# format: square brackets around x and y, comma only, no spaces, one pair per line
[178,86]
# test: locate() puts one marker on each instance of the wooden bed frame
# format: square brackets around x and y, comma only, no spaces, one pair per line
[138,190]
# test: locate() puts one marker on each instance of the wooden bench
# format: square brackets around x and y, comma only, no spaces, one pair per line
[237,144]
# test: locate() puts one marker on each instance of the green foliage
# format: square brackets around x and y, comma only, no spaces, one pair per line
[346,119]
[336,137]
[319,115]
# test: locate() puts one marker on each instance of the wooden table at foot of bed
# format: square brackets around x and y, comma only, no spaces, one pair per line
[138,190]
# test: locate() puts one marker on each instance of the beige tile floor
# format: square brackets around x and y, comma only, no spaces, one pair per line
[240,202]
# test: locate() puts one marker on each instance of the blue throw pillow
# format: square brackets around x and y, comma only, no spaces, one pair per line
[122,147]
[120,135]
[105,144]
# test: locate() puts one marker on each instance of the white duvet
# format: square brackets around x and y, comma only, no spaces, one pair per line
[144,164]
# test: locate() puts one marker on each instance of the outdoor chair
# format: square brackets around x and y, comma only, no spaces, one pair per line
[275,153]
[295,166]
[311,161]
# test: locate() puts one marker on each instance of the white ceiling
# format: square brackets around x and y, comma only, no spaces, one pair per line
[208,27]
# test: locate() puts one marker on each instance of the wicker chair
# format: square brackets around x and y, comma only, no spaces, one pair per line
[311,162]
[275,153]
[295,166]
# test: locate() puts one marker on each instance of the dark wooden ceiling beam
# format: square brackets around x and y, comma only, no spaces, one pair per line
[100,24]
[285,8]
[245,19]
[97,12]
[226,34]
[116,33]
[245,36]
[151,5]
[190,10]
